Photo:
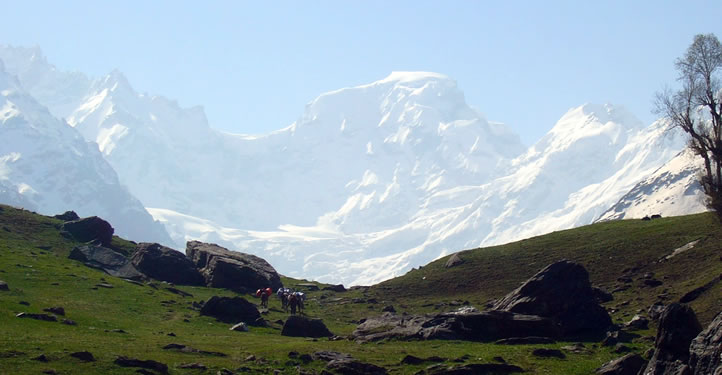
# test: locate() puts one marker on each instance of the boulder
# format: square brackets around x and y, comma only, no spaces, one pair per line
[705,351]
[630,364]
[301,326]
[454,260]
[476,369]
[477,326]
[335,288]
[103,258]
[547,353]
[90,229]
[165,264]
[4,285]
[222,268]
[354,367]
[67,216]
[561,292]
[148,364]
[328,356]
[637,322]
[83,356]
[231,310]
[678,326]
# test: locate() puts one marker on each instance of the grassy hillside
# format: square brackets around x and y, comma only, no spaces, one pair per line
[135,320]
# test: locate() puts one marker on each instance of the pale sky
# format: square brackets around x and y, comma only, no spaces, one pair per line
[254,65]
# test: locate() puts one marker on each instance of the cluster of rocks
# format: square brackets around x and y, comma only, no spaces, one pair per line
[681,347]
[557,302]
[202,265]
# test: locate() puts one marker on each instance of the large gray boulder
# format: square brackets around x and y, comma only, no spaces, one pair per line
[705,351]
[301,326]
[90,229]
[237,271]
[108,260]
[232,310]
[678,326]
[561,292]
[474,326]
[165,264]
[630,364]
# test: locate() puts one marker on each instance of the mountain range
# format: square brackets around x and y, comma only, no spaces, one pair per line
[368,183]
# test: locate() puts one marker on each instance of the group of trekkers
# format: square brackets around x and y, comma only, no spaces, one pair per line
[290,299]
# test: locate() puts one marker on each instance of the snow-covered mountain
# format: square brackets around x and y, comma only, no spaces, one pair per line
[673,189]
[369,182]
[47,166]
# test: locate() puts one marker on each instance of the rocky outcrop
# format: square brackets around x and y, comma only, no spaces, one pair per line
[222,268]
[165,264]
[705,351]
[476,326]
[110,261]
[232,310]
[90,229]
[301,326]
[561,292]
[454,260]
[67,216]
[678,326]
[630,364]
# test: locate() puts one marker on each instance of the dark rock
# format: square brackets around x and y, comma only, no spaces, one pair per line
[525,341]
[222,268]
[630,364]
[83,356]
[147,364]
[561,292]
[90,229]
[652,283]
[478,326]
[24,303]
[4,285]
[187,349]
[354,367]
[335,288]
[50,372]
[678,326]
[55,310]
[389,308]
[103,258]
[705,351]
[696,292]
[656,216]
[305,358]
[194,366]
[41,358]
[301,326]
[45,317]
[411,360]
[231,310]
[69,322]
[165,264]
[328,356]
[545,352]
[637,322]
[453,261]
[602,295]
[178,292]
[621,348]
[67,216]
[476,369]
[308,286]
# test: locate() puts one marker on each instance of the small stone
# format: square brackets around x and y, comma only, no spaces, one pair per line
[69,322]
[251,358]
[55,310]
[196,366]
[4,285]
[544,352]
[26,303]
[83,356]
[41,358]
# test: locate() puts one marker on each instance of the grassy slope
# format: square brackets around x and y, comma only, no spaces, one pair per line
[33,261]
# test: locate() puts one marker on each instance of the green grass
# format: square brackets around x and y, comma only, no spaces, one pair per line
[34,263]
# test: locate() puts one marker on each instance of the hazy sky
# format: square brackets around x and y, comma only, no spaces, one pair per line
[254,65]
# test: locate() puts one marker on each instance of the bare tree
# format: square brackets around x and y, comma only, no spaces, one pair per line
[696,108]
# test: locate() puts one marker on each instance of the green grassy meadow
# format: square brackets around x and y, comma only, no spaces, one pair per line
[138,320]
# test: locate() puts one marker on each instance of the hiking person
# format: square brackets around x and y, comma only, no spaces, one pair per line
[292,303]
[264,299]
[300,297]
